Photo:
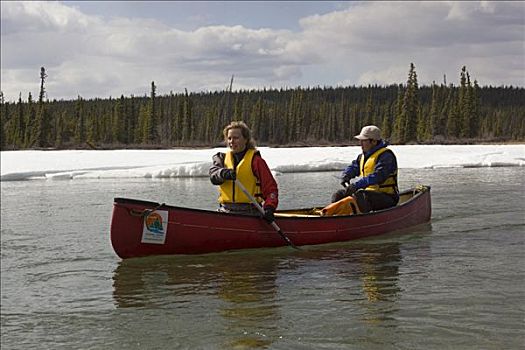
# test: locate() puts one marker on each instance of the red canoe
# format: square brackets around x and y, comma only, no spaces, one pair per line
[140,228]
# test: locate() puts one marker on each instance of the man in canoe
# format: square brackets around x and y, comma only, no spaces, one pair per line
[371,178]
[243,163]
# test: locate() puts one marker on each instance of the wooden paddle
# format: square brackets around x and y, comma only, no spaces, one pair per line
[261,210]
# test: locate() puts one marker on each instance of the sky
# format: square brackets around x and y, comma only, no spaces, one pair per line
[160,164]
[112,48]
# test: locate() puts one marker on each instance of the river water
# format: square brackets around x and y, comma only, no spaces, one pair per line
[457,282]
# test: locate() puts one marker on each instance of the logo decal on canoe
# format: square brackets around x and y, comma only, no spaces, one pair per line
[155,227]
[154,223]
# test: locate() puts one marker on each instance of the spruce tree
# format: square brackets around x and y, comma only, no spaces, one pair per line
[80,130]
[187,126]
[453,117]
[369,117]
[139,131]
[107,122]
[441,114]
[163,127]
[92,130]
[133,117]
[2,122]
[238,107]
[30,121]
[410,109]
[120,120]
[228,115]
[256,117]
[398,132]
[39,134]
[170,115]
[343,120]
[423,127]
[434,112]
[475,104]
[150,122]
[386,127]
[60,129]
[463,104]
[385,122]
[16,133]
[177,122]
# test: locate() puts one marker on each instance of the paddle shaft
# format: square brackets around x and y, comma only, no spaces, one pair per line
[261,210]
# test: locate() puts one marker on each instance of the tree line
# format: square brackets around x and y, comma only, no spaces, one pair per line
[406,113]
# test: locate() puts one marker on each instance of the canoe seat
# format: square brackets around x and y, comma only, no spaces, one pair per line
[293,215]
[300,213]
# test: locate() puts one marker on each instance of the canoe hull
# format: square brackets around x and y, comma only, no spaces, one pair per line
[194,231]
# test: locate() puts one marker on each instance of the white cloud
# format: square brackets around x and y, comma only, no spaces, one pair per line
[37,16]
[390,75]
[367,43]
[378,40]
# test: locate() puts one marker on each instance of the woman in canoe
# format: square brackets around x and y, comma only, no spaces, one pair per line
[243,163]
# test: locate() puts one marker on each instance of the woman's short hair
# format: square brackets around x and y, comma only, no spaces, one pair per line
[245,131]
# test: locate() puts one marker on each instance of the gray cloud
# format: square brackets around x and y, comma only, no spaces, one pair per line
[371,42]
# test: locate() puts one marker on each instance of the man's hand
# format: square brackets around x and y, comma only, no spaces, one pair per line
[228,174]
[345,181]
[352,188]
[268,214]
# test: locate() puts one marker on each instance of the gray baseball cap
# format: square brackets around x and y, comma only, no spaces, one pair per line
[369,132]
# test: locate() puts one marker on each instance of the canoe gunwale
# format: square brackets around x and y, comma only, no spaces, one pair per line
[415,192]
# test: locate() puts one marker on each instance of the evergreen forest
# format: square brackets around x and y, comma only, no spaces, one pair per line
[313,116]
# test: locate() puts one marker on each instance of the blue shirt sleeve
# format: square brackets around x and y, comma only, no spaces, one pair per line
[352,170]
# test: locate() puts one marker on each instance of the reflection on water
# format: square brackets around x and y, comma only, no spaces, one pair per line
[243,288]
[244,285]
[249,290]
[372,269]
[380,269]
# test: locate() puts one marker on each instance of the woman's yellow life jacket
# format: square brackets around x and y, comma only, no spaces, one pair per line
[346,206]
[389,186]
[228,193]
